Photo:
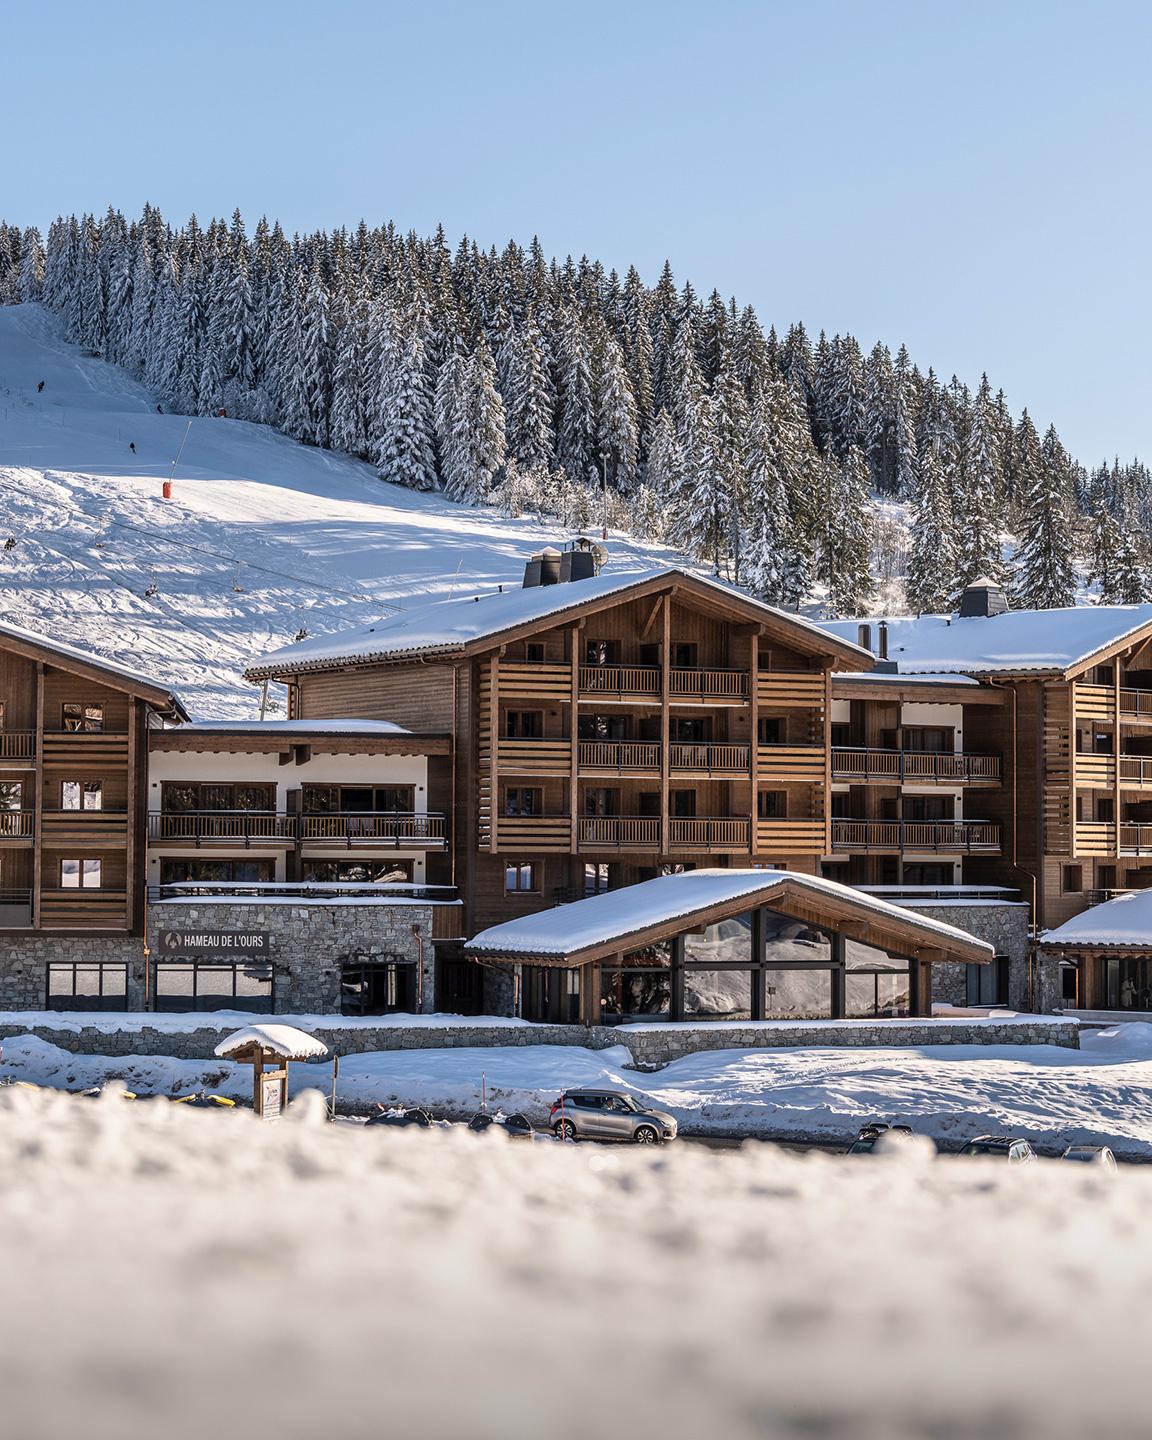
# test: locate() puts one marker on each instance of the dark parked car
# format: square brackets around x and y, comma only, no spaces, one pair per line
[400,1116]
[1013,1148]
[1099,1156]
[868,1135]
[608,1115]
[516,1127]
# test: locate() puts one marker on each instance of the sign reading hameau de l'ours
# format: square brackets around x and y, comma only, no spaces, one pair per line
[213,942]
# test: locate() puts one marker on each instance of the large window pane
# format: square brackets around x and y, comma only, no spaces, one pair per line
[642,986]
[790,942]
[881,993]
[718,994]
[727,943]
[798,994]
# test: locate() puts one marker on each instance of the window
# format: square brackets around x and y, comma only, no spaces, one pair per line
[179,797]
[358,872]
[2,726]
[1106,877]
[650,655]
[1104,675]
[524,724]
[841,735]
[926,739]
[600,801]
[377,989]
[987,984]
[76,717]
[11,795]
[1069,988]
[602,727]
[550,995]
[210,985]
[690,729]
[521,878]
[682,804]
[81,795]
[240,872]
[80,874]
[523,800]
[684,656]
[771,805]
[534,652]
[1071,879]
[1106,810]
[928,808]
[770,730]
[596,880]
[601,652]
[87,985]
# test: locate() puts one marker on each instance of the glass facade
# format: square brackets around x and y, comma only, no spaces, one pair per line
[761,965]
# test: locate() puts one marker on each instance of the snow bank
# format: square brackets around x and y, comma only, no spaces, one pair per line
[187,1274]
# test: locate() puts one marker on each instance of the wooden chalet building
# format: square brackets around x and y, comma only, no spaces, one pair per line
[603,727]
[73,757]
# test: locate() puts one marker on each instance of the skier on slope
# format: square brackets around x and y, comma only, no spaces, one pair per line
[132,446]
[40,387]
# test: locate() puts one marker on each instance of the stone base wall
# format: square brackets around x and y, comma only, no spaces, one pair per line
[1004,926]
[648,1045]
[309,943]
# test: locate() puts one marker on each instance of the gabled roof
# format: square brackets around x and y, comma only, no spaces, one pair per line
[69,657]
[1053,642]
[638,914]
[446,628]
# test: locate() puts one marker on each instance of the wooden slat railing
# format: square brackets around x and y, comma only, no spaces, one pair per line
[1136,839]
[957,836]
[531,833]
[788,689]
[524,681]
[708,684]
[619,832]
[619,755]
[1136,703]
[790,837]
[373,827]
[620,679]
[711,758]
[17,744]
[710,833]
[527,757]
[17,824]
[791,764]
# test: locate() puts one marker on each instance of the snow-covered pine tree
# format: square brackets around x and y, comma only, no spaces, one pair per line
[931,584]
[577,437]
[1044,577]
[404,449]
[776,560]
[978,528]
[529,399]
[846,542]
[617,432]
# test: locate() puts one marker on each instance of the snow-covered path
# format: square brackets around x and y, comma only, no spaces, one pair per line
[262,537]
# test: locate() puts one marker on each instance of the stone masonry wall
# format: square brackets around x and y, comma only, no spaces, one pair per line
[1004,926]
[648,1044]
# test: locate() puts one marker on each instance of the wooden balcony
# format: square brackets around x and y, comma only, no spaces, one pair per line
[373,829]
[791,764]
[710,759]
[17,825]
[955,837]
[791,837]
[17,746]
[99,828]
[914,767]
[708,687]
[1135,771]
[1098,772]
[619,757]
[618,832]
[86,748]
[620,682]
[1102,838]
[643,683]
[1098,702]
[710,834]
[790,689]
[543,681]
[534,757]
[1136,705]
[221,827]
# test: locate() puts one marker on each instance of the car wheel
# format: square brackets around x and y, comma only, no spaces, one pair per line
[564,1130]
[645,1135]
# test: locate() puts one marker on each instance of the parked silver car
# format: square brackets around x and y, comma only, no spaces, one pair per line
[608,1115]
[1099,1156]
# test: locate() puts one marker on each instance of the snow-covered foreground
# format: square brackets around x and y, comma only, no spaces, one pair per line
[185,1275]
[1100,1094]
[263,537]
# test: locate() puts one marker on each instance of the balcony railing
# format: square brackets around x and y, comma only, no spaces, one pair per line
[373,827]
[17,824]
[1136,703]
[244,827]
[622,756]
[708,684]
[619,755]
[917,767]
[954,836]
[710,833]
[684,683]
[1136,839]
[620,680]
[17,744]
[619,832]
[15,909]
[1135,769]
[730,759]
[643,832]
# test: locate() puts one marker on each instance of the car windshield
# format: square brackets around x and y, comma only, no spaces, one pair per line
[976,1147]
[631,1104]
[1086,1155]
[861,1147]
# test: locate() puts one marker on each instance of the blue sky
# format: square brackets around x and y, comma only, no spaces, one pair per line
[971,179]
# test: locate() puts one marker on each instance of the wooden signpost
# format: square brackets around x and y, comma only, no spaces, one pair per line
[262,1046]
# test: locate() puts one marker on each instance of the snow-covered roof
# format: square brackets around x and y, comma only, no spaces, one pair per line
[888,677]
[146,683]
[1018,640]
[1126,920]
[605,919]
[448,626]
[284,1040]
[297,727]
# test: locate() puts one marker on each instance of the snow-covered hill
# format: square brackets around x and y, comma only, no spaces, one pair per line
[262,537]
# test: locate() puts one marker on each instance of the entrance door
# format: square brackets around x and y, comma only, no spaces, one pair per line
[460,988]
[377,989]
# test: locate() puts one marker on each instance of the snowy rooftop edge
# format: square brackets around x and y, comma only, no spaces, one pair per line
[599,919]
[447,626]
[86,657]
[1124,920]
[1017,640]
[293,727]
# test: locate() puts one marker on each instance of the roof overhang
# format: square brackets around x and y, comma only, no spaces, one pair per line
[910,689]
[205,741]
[705,595]
[834,906]
[164,701]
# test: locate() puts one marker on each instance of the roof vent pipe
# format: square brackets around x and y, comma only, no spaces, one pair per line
[864,636]
[882,641]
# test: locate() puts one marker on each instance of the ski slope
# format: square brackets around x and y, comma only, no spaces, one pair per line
[262,536]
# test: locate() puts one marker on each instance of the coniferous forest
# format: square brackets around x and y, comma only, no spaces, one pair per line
[505,378]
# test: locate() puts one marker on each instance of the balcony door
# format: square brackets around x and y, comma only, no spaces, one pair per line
[929,809]
[601,802]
